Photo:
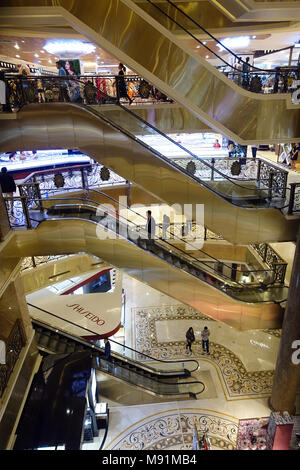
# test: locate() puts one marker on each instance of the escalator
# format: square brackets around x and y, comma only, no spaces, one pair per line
[72,224]
[126,31]
[163,379]
[242,211]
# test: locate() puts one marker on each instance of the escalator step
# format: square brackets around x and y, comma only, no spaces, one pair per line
[54,339]
[44,339]
[62,345]
[71,346]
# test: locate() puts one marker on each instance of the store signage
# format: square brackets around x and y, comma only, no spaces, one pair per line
[87,314]
[296,93]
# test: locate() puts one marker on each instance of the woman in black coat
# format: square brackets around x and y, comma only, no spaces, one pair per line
[121,83]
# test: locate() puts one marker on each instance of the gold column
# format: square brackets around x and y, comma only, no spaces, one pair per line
[287,374]
[4,222]
[13,306]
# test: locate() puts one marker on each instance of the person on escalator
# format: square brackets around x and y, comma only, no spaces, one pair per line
[246,71]
[190,338]
[63,83]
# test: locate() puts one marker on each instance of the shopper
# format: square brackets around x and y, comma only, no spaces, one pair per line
[217,144]
[121,85]
[2,91]
[205,333]
[150,226]
[254,151]
[165,226]
[63,83]
[107,349]
[74,87]
[190,338]
[246,70]
[8,187]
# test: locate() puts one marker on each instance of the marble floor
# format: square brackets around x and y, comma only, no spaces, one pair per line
[238,376]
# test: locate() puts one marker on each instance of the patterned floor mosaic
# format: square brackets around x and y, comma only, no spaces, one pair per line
[238,382]
[173,430]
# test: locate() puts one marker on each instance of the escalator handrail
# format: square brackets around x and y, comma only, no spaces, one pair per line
[159,240]
[93,346]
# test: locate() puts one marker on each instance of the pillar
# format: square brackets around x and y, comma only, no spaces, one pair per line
[4,222]
[287,373]
[13,305]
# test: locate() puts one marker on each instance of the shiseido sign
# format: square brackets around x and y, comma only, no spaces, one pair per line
[85,313]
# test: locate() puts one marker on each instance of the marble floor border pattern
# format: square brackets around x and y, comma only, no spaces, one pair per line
[237,380]
[174,429]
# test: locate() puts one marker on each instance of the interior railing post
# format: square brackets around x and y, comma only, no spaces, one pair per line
[292,198]
[212,169]
[38,194]
[270,185]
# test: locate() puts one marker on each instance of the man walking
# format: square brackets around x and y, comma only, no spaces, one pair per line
[205,333]
[63,83]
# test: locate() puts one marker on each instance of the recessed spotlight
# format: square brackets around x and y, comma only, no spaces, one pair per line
[43,52]
[253,37]
[23,40]
[36,55]
[198,47]
[18,56]
[17,46]
[204,42]
[207,56]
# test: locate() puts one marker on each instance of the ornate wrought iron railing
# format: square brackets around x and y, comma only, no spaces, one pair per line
[34,261]
[48,182]
[14,344]
[85,89]
[272,259]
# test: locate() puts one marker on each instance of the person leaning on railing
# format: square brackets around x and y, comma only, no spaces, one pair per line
[8,187]
[63,83]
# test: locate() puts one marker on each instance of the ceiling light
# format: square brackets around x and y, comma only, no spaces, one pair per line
[36,55]
[197,47]
[22,40]
[298,44]
[17,46]
[204,42]
[237,42]
[207,56]
[253,37]
[69,47]
[18,56]
[43,52]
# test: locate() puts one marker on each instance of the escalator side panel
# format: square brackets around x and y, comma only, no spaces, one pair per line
[69,236]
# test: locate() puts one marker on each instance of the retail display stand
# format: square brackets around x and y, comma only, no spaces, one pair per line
[279,431]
